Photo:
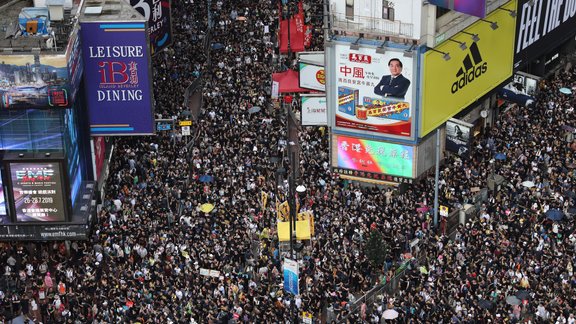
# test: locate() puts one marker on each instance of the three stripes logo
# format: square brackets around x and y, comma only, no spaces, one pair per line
[473,67]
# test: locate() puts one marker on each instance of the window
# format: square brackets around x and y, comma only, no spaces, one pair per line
[387,10]
[350,9]
[441,11]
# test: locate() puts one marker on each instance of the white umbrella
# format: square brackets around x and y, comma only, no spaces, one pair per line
[513,300]
[390,314]
[528,184]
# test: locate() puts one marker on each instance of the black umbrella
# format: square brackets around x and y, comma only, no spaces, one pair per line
[486,304]
[523,294]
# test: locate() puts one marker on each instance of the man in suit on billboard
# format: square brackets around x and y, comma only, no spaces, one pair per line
[394,85]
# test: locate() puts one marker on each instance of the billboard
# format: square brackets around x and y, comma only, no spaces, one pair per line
[314,110]
[470,7]
[312,77]
[37,191]
[542,25]
[118,78]
[458,136]
[34,81]
[367,158]
[74,63]
[374,92]
[451,85]
[159,16]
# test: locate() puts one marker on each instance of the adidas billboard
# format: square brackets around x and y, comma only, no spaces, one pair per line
[473,68]
[453,78]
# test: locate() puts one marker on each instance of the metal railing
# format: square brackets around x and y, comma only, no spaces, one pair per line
[372,25]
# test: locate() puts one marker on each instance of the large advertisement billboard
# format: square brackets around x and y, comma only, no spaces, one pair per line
[34,81]
[374,92]
[38,192]
[118,78]
[541,26]
[371,159]
[312,77]
[314,110]
[453,82]
[158,14]
[470,7]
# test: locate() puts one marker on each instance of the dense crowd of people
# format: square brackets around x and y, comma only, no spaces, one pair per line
[157,255]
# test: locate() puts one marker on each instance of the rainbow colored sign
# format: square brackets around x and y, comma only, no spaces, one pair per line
[374,156]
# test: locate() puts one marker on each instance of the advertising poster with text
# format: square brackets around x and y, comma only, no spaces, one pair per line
[312,77]
[314,110]
[38,191]
[118,78]
[374,91]
[542,25]
[374,157]
[158,14]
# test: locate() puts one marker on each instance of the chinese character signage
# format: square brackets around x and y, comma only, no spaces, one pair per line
[118,78]
[470,7]
[158,14]
[37,191]
[34,81]
[369,159]
[374,92]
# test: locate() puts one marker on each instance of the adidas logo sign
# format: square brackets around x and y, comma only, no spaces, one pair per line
[470,72]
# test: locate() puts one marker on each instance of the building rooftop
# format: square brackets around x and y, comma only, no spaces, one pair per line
[47,25]
[109,10]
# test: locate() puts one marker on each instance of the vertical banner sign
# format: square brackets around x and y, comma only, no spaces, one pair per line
[3,212]
[38,191]
[158,14]
[99,151]
[291,276]
[118,78]
[374,92]
[540,26]
[458,136]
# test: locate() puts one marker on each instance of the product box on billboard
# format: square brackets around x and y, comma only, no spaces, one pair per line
[348,99]
[389,108]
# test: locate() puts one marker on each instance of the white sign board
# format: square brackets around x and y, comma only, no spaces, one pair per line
[314,110]
[312,77]
[186,130]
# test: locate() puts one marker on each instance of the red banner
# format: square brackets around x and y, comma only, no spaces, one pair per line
[307,36]
[296,34]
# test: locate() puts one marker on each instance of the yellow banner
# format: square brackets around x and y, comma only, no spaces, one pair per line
[452,85]
[283,210]
[303,230]
[307,216]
